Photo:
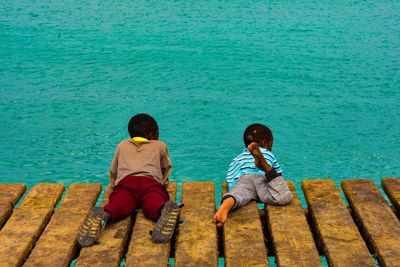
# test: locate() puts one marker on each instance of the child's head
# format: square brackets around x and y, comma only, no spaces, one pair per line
[260,134]
[143,125]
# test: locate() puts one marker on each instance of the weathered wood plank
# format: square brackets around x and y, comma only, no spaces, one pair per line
[11,192]
[112,242]
[27,222]
[392,189]
[196,241]
[57,245]
[378,222]
[244,238]
[341,240]
[142,251]
[9,196]
[291,235]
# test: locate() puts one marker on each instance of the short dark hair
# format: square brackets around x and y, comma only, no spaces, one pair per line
[257,132]
[142,125]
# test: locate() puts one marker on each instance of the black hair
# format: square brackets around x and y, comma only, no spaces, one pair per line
[257,133]
[142,125]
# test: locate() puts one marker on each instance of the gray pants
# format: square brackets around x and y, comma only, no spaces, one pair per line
[256,187]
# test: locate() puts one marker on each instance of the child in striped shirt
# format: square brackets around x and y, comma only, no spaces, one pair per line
[255,174]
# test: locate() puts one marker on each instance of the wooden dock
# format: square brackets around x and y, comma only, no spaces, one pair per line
[41,229]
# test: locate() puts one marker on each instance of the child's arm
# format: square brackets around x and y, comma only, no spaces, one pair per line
[166,166]
[114,168]
[165,172]
[259,159]
[261,163]
[113,177]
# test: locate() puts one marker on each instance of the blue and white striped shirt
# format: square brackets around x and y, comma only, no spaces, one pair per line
[244,164]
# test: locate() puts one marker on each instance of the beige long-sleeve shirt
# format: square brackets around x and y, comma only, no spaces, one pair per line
[149,158]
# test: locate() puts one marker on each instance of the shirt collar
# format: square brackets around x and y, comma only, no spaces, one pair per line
[139,139]
[261,149]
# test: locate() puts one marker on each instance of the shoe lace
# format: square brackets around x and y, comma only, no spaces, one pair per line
[168,219]
[92,224]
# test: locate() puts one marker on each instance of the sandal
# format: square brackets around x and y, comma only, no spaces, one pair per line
[165,226]
[91,227]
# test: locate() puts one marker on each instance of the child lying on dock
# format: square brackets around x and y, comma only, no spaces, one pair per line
[138,175]
[255,174]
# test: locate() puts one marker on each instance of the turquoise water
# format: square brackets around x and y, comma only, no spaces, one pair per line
[324,76]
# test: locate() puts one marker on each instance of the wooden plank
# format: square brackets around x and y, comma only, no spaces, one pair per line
[244,238]
[11,192]
[291,235]
[339,236]
[196,241]
[27,222]
[378,223]
[112,243]
[9,196]
[392,189]
[63,227]
[142,251]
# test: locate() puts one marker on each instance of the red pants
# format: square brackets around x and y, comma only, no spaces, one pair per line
[135,192]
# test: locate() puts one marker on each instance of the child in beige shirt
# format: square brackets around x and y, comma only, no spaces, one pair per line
[138,174]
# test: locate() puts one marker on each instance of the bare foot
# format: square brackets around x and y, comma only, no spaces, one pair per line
[221,216]
[259,159]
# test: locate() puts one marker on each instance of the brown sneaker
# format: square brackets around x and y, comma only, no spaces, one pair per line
[165,226]
[91,228]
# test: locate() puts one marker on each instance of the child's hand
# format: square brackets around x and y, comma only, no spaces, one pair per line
[259,159]
[166,182]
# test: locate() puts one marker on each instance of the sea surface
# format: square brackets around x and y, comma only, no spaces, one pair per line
[323,75]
